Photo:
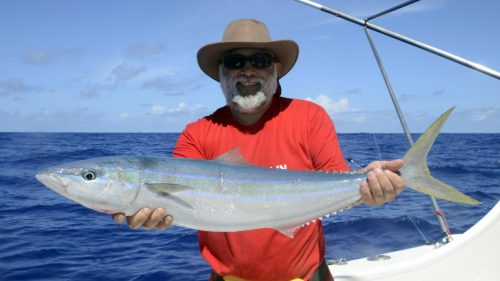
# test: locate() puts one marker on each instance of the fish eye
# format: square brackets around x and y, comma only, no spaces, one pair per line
[88,175]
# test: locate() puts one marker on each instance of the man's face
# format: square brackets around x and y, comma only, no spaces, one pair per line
[248,88]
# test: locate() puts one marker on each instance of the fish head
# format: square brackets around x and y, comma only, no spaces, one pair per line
[102,184]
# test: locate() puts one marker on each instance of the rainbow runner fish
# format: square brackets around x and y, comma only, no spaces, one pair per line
[228,194]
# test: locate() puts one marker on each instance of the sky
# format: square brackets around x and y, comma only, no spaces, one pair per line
[130,66]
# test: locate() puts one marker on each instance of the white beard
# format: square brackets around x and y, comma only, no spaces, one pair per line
[248,103]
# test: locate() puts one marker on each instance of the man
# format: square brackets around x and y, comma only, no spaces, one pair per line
[270,131]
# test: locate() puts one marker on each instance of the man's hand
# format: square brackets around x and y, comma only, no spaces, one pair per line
[146,218]
[383,184]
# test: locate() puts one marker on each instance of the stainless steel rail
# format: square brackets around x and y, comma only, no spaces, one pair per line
[434,50]
[367,25]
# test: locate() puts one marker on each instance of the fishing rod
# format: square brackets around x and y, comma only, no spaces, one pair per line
[367,25]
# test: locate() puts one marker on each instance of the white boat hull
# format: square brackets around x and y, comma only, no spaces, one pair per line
[473,255]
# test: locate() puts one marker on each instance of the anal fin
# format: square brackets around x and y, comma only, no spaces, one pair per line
[290,229]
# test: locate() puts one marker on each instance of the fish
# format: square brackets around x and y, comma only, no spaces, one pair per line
[229,194]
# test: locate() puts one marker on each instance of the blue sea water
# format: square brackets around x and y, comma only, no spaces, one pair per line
[44,236]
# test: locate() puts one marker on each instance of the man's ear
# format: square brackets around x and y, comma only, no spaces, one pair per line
[279,67]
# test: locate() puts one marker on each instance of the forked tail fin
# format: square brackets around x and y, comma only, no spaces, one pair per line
[416,173]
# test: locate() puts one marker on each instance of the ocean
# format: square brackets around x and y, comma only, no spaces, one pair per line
[44,236]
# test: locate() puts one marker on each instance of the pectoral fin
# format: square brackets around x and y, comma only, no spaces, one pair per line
[168,191]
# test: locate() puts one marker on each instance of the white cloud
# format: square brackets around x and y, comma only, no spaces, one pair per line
[482,115]
[164,86]
[439,92]
[408,97]
[116,77]
[124,115]
[15,86]
[45,56]
[153,73]
[331,106]
[144,50]
[124,72]
[90,91]
[160,109]
[328,21]
[177,88]
[361,117]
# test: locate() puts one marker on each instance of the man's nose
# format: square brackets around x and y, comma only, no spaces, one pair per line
[248,69]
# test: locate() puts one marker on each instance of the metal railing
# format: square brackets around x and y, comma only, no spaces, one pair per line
[369,26]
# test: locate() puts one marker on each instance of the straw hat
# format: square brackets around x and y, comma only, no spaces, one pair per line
[247,33]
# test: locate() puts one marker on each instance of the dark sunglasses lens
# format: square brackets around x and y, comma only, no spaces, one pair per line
[259,61]
[234,61]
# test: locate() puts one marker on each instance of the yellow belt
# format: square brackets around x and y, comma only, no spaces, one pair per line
[234,278]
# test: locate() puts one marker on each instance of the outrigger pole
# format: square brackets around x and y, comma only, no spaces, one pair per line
[365,23]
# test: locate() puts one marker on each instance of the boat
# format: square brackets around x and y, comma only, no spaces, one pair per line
[473,255]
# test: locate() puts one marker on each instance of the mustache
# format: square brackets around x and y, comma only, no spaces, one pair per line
[243,79]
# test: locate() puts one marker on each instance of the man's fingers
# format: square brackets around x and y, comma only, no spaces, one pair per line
[166,222]
[146,218]
[396,181]
[393,165]
[119,218]
[366,195]
[139,218]
[386,185]
[371,191]
[155,218]
[376,187]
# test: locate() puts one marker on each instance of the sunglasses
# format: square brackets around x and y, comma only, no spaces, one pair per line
[257,61]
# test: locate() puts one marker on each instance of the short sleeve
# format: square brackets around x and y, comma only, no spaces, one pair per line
[324,146]
[187,145]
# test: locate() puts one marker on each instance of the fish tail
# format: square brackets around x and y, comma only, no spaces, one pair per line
[416,173]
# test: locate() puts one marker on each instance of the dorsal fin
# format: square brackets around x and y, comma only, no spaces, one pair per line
[233,156]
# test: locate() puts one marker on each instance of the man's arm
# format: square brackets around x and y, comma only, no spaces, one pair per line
[382,184]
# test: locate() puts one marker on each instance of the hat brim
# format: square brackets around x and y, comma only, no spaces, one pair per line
[285,51]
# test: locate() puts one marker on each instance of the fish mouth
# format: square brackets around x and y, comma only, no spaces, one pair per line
[50,180]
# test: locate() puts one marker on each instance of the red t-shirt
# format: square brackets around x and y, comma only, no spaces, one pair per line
[292,134]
